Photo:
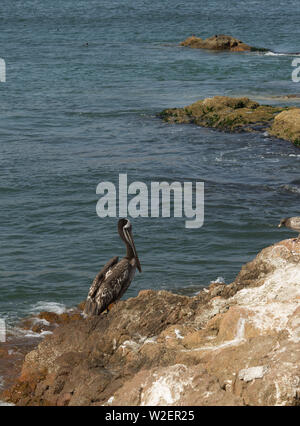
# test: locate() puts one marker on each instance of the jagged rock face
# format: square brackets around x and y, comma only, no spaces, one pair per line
[218,42]
[236,344]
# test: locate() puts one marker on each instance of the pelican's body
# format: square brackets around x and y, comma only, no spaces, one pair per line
[291,223]
[115,277]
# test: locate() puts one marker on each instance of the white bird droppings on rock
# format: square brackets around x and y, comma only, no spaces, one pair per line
[167,389]
[251,373]
[177,333]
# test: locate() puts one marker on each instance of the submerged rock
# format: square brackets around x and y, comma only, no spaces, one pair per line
[236,344]
[219,42]
[238,115]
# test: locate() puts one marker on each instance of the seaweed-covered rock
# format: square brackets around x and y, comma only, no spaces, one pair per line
[239,115]
[224,113]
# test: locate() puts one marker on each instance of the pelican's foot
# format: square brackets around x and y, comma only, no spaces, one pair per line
[109,308]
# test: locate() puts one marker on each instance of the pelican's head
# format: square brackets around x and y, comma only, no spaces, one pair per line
[125,232]
[282,222]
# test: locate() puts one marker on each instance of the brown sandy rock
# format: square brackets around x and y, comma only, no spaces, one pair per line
[286,125]
[219,42]
[236,344]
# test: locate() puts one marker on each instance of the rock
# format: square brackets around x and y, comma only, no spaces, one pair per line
[30,331]
[238,115]
[224,113]
[219,42]
[286,125]
[48,321]
[235,344]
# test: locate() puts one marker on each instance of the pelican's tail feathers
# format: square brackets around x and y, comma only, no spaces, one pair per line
[91,308]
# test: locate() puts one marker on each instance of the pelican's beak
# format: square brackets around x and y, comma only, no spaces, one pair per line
[279,226]
[131,242]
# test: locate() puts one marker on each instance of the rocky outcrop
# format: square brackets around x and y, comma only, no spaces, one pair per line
[219,42]
[286,125]
[224,113]
[25,336]
[238,115]
[236,344]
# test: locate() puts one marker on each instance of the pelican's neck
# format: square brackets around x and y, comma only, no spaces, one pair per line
[129,251]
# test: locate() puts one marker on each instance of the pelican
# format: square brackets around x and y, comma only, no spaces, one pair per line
[292,223]
[115,277]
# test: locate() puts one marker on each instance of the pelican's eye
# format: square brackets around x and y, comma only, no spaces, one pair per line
[128,224]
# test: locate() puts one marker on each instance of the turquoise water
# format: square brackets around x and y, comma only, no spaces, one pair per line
[74,115]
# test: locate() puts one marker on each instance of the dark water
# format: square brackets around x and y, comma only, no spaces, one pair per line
[74,115]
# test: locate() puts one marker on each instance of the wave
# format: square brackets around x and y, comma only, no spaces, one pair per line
[270,53]
[30,333]
[57,308]
[218,280]
[17,333]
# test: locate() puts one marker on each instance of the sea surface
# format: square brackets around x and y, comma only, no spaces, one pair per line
[74,115]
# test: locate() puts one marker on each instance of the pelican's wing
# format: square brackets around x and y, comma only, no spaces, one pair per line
[111,287]
[100,277]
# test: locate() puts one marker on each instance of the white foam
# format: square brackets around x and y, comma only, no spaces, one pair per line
[219,280]
[281,54]
[20,333]
[36,320]
[57,308]
[31,333]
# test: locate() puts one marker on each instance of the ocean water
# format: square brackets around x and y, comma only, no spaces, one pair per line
[74,115]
